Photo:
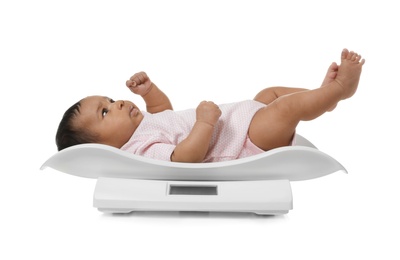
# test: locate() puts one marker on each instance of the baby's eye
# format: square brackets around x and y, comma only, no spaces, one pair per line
[104,112]
[112,100]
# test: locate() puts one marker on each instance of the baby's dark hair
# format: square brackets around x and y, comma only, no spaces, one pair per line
[69,134]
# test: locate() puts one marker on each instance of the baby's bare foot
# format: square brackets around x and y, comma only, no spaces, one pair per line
[349,72]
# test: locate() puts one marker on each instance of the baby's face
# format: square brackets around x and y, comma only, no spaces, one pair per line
[112,121]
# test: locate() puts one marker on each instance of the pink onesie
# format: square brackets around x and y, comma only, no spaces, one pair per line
[158,134]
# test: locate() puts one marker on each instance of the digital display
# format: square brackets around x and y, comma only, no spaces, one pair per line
[192,190]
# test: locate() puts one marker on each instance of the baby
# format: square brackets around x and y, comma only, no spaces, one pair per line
[209,133]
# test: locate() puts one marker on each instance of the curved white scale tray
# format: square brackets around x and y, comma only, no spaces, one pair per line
[300,162]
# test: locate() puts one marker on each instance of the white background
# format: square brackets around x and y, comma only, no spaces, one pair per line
[54,53]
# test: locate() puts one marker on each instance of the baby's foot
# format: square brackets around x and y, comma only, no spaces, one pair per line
[330,77]
[349,72]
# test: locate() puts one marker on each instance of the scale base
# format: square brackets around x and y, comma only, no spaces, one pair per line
[114,195]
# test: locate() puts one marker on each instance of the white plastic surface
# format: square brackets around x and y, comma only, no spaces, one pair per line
[293,163]
[127,195]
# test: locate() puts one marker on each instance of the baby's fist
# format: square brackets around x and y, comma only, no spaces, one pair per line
[208,112]
[139,83]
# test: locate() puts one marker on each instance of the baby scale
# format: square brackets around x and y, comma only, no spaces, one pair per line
[259,184]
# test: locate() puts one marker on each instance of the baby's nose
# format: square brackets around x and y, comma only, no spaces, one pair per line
[119,104]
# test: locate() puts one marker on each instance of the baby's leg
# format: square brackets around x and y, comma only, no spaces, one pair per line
[274,125]
[268,95]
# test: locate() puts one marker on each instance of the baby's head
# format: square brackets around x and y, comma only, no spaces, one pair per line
[98,119]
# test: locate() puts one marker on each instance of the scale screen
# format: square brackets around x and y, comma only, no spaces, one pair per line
[192,190]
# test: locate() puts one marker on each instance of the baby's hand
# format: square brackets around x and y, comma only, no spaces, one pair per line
[208,112]
[139,83]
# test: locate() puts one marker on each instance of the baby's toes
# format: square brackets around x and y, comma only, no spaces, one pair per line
[345,52]
[350,55]
[354,57]
[358,58]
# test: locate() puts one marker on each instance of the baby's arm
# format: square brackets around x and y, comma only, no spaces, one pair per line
[195,147]
[156,100]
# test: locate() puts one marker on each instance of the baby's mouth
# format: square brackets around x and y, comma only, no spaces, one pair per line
[133,111]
